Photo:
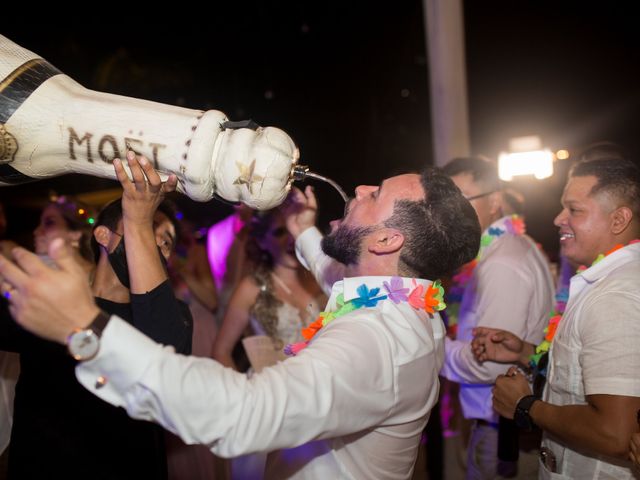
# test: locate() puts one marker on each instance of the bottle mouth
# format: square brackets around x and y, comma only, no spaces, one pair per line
[301,172]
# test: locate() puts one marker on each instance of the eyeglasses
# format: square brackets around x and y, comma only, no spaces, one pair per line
[480,195]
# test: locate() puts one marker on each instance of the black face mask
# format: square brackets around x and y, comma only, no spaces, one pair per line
[118,261]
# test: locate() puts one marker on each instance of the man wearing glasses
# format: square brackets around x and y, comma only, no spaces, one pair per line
[509,287]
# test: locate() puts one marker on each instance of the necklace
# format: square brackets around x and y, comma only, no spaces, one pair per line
[556,314]
[280,282]
[430,300]
[513,225]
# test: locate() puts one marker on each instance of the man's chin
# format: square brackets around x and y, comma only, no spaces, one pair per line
[329,249]
[574,257]
[343,243]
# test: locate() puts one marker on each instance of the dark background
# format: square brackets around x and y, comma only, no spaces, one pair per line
[349,82]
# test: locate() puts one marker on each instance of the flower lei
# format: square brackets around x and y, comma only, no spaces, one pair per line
[513,225]
[556,315]
[430,300]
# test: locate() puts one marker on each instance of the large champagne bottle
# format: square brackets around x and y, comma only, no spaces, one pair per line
[50,125]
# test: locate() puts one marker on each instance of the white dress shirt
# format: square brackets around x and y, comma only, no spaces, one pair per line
[362,391]
[596,351]
[511,289]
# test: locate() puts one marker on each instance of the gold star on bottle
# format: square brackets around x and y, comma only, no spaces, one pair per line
[247,175]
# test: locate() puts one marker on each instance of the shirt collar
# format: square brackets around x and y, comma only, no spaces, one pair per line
[349,285]
[610,262]
[500,224]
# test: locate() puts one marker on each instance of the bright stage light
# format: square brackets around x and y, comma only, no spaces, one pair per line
[538,163]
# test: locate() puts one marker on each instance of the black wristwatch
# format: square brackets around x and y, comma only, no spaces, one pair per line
[521,415]
[83,343]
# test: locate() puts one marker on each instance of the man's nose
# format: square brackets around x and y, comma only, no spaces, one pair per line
[362,190]
[560,219]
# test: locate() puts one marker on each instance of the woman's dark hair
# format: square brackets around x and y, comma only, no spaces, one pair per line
[111,214]
[259,228]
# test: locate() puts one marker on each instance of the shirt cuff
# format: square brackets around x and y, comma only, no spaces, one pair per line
[308,246]
[122,359]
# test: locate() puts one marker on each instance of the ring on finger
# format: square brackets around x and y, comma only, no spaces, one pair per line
[8,292]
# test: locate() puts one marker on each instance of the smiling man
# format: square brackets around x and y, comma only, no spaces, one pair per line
[360,392]
[589,404]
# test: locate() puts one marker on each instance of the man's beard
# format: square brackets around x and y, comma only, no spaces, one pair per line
[344,243]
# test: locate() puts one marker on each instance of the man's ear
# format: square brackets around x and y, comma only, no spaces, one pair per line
[621,217]
[386,240]
[102,235]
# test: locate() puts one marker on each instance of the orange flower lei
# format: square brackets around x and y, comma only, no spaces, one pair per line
[556,314]
[431,301]
[513,225]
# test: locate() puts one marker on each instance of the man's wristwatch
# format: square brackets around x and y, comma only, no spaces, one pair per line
[521,415]
[83,343]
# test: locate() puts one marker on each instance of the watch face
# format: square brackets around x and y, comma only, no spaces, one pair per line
[83,344]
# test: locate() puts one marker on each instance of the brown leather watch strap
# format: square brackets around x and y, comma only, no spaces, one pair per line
[99,323]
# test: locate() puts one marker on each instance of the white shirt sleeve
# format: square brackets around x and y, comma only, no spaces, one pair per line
[325,269]
[336,386]
[502,301]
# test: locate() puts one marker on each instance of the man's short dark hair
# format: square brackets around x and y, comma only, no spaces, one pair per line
[482,170]
[617,176]
[441,232]
[602,149]
[111,214]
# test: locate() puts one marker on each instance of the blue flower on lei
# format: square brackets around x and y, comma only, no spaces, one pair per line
[366,297]
[495,231]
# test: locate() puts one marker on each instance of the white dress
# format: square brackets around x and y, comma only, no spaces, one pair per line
[290,323]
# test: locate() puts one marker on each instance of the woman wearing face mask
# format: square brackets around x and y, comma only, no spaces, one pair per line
[67,430]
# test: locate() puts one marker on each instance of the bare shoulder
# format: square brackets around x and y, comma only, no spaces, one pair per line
[246,291]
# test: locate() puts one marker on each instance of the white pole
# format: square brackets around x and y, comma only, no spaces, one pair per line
[444,29]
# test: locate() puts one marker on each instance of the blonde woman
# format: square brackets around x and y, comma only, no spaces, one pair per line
[277,299]
[273,303]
